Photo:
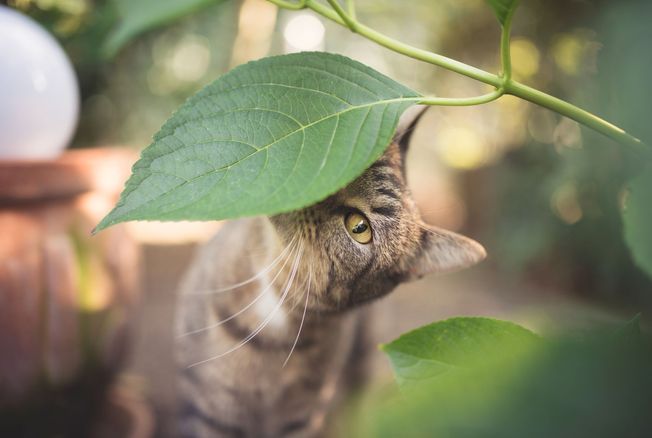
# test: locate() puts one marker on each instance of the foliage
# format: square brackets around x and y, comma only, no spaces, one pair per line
[442,347]
[137,16]
[595,385]
[234,150]
[203,167]
[556,212]
[637,217]
[464,376]
[270,136]
[503,9]
[588,253]
[631,103]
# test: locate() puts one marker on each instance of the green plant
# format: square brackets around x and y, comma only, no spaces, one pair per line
[284,132]
[163,189]
[480,377]
[180,176]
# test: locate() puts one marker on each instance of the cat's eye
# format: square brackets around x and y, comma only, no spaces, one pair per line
[358,227]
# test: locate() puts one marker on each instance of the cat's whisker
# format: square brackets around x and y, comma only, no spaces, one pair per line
[239,312]
[303,318]
[296,299]
[269,317]
[247,281]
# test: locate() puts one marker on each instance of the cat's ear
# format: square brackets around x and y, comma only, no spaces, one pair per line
[445,251]
[406,125]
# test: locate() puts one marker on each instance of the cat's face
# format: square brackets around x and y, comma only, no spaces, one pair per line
[361,242]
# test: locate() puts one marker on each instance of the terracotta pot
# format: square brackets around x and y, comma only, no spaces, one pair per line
[66,297]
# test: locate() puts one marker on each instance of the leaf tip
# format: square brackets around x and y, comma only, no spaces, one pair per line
[99,227]
[106,222]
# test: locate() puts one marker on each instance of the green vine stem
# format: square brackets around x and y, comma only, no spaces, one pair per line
[350,8]
[350,22]
[503,83]
[462,101]
[505,55]
[293,6]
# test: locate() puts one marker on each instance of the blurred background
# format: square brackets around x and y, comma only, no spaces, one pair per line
[541,193]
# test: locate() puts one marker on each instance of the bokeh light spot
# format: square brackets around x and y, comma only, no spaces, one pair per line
[190,58]
[525,58]
[567,134]
[565,204]
[462,148]
[567,53]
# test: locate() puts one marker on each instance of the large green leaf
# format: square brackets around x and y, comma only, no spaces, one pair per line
[137,16]
[503,8]
[431,350]
[270,136]
[637,217]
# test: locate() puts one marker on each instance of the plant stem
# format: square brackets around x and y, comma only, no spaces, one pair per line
[350,22]
[571,111]
[504,84]
[463,101]
[350,8]
[505,55]
[301,4]
[406,49]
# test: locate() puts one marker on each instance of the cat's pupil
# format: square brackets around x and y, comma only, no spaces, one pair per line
[360,227]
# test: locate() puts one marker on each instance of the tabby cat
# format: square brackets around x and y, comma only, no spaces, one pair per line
[300,276]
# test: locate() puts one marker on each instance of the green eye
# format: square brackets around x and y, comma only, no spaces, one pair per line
[358,227]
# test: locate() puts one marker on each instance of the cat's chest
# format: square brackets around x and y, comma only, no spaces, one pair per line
[317,358]
[310,380]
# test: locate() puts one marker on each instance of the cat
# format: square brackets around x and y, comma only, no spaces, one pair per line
[301,276]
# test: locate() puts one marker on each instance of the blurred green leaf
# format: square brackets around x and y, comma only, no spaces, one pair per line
[590,387]
[629,331]
[434,349]
[637,217]
[503,8]
[629,103]
[270,136]
[137,16]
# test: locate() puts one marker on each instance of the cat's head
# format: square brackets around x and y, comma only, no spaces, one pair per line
[359,243]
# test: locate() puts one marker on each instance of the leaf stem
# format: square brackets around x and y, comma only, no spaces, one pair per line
[505,55]
[463,101]
[406,49]
[349,21]
[301,4]
[350,8]
[504,84]
[571,111]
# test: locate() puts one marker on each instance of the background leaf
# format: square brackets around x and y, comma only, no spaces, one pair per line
[434,349]
[270,136]
[637,218]
[502,8]
[593,385]
[137,16]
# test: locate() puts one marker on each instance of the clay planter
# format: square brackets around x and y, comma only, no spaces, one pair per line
[66,297]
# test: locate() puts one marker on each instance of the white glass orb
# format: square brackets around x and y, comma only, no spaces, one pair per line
[39,95]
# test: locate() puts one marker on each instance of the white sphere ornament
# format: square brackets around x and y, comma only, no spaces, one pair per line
[39,94]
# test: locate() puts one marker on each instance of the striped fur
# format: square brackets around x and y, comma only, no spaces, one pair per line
[249,392]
